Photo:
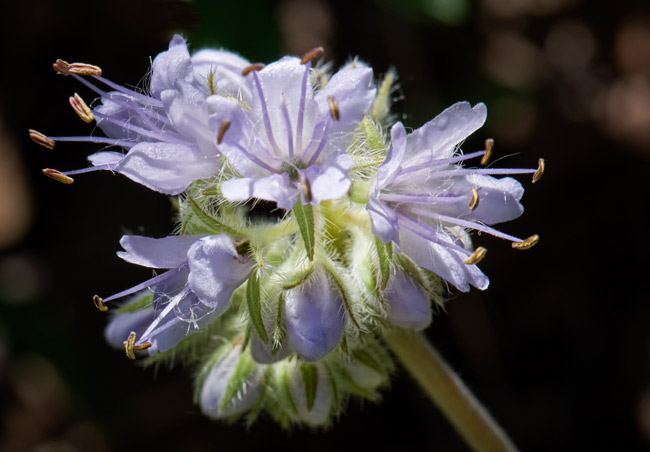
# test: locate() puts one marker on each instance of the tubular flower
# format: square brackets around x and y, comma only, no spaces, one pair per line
[165,133]
[292,138]
[423,199]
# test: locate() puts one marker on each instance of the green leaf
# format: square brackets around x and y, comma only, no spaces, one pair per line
[243,370]
[214,225]
[310,380]
[255,305]
[385,254]
[305,218]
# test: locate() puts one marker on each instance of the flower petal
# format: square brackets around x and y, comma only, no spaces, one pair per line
[263,353]
[170,67]
[121,325]
[167,252]
[388,169]
[407,304]
[384,221]
[330,180]
[219,72]
[276,187]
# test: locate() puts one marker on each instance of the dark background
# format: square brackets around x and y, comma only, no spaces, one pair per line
[558,348]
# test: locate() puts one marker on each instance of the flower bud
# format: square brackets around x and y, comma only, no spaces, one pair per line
[232,385]
[310,390]
[267,353]
[407,304]
[314,316]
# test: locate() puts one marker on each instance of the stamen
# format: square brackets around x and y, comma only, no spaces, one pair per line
[129,345]
[253,67]
[540,170]
[311,54]
[81,108]
[222,130]
[99,303]
[526,244]
[145,345]
[305,186]
[84,69]
[334,107]
[489,144]
[41,139]
[58,176]
[477,256]
[61,67]
[473,203]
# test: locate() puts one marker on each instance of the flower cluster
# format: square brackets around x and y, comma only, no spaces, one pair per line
[284,313]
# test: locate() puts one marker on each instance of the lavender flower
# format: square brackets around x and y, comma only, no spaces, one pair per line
[292,138]
[166,134]
[423,199]
[204,271]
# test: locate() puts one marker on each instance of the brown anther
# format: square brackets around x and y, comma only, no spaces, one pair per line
[311,54]
[473,203]
[489,144]
[250,68]
[334,107]
[81,108]
[143,346]
[526,244]
[99,303]
[61,67]
[41,139]
[305,186]
[540,170]
[58,176]
[84,69]
[477,256]
[222,130]
[129,345]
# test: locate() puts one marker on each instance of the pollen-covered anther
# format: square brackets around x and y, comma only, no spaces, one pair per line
[526,244]
[99,303]
[473,203]
[222,130]
[489,144]
[84,69]
[81,108]
[311,54]
[540,170]
[61,67]
[58,176]
[477,256]
[41,139]
[334,107]
[252,67]
[305,187]
[130,346]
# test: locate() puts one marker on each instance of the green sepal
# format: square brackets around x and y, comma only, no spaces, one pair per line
[243,370]
[341,286]
[304,215]
[336,394]
[284,393]
[385,254]
[412,269]
[280,330]
[205,369]
[253,300]
[298,278]
[310,381]
[140,303]
[368,360]
[375,140]
[214,226]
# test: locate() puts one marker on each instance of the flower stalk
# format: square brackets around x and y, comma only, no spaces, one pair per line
[470,419]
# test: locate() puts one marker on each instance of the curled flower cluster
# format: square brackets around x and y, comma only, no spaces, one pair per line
[285,313]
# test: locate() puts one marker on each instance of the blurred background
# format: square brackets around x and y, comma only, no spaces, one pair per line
[558,348]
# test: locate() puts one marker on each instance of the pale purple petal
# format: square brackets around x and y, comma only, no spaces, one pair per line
[388,169]
[167,167]
[263,353]
[170,67]
[384,221]
[314,316]
[121,325]
[105,158]
[276,187]
[167,252]
[224,69]
[407,304]
[216,270]
[330,180]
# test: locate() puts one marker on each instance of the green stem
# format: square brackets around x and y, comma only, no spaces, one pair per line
[448,392]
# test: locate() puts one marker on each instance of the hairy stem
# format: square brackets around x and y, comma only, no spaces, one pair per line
[448,392]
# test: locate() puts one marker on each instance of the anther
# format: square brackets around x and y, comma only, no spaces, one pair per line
[250,68]
[305,186]
[334,107]
[473,203]
[526,244]
[58,176]
[41,139]
[99,303]
[222,130]
[489,144]
[81,108]
[84,69]
[540,170]
[477,256]
[309,55]
[129,345]
[61,67]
